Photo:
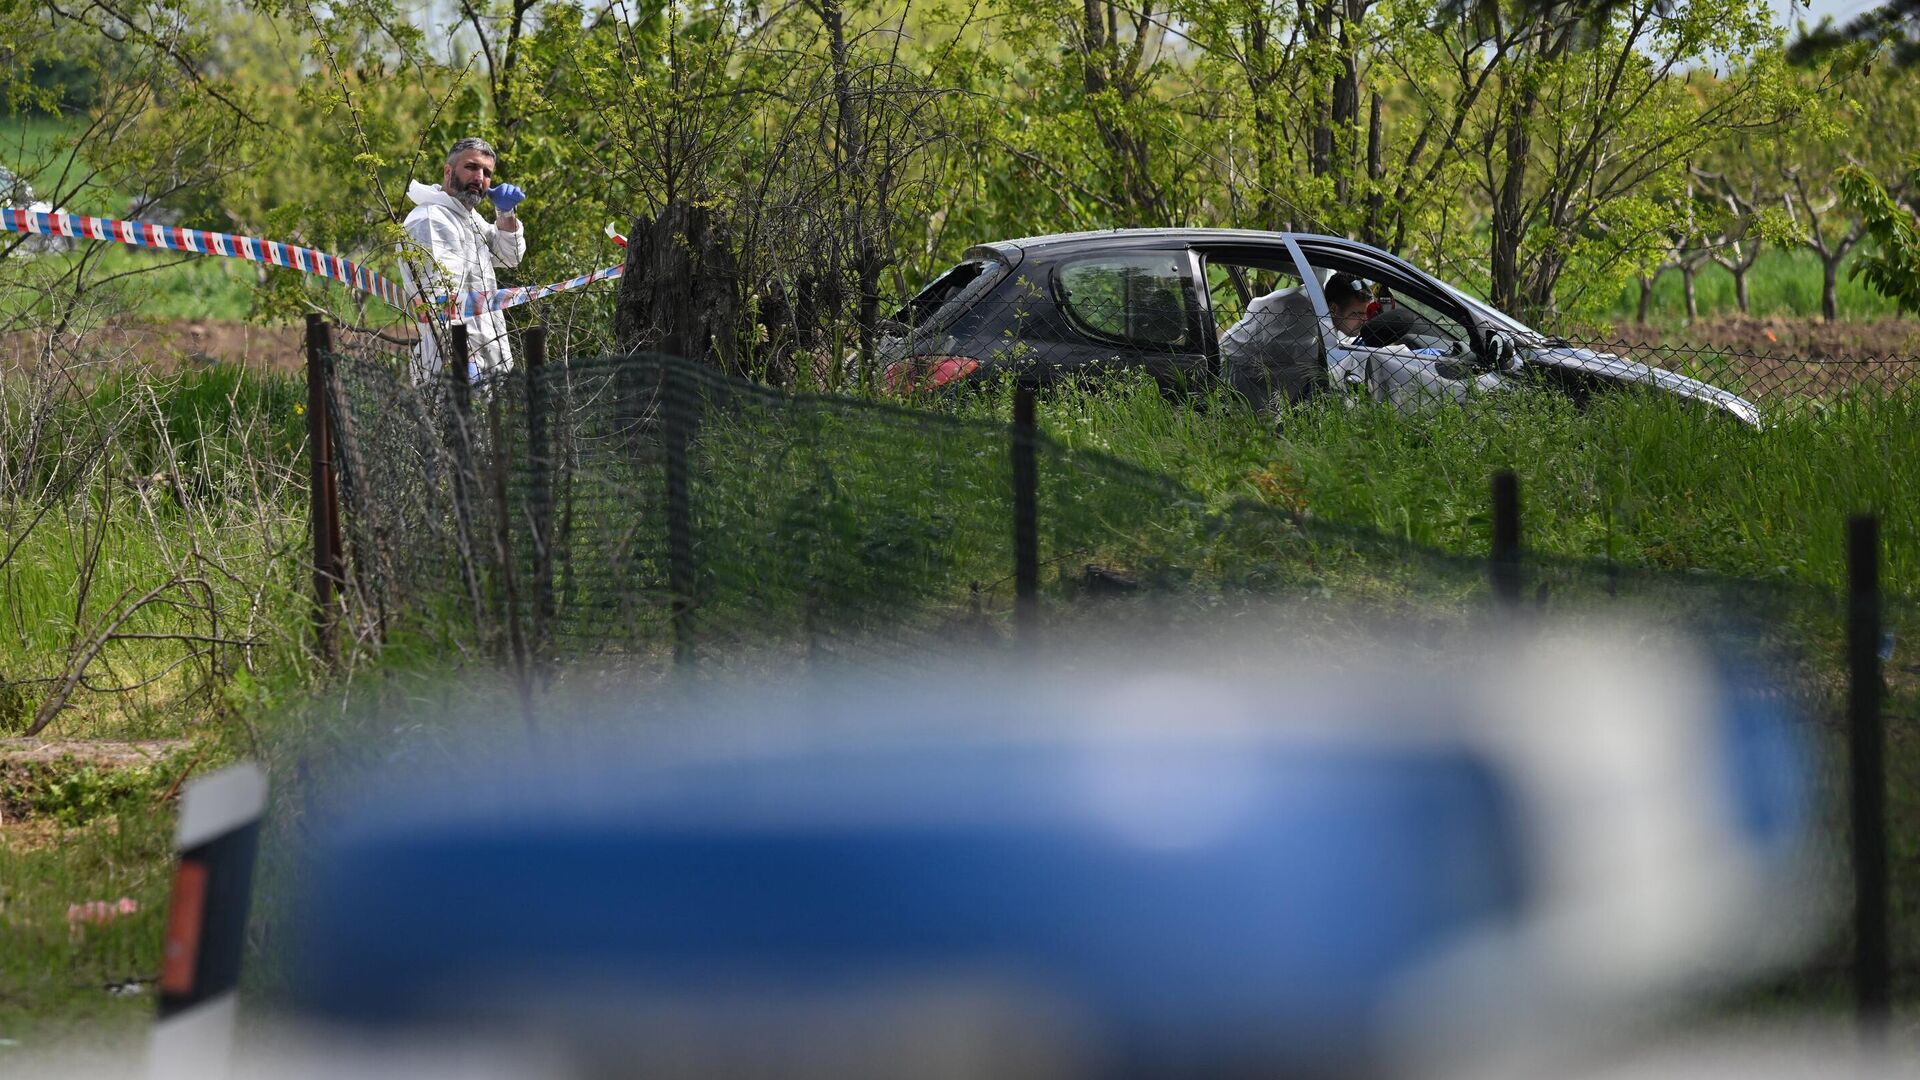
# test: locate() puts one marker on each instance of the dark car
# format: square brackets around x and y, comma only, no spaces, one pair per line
[1195,305]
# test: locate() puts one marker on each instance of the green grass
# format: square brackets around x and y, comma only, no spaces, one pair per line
[1782,282]
[150,284]
[195,477]
[155,285]
[31,146]
[1659,483]
[184,491]
[54,980]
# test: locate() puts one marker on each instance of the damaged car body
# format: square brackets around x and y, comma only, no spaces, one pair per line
[1276,316]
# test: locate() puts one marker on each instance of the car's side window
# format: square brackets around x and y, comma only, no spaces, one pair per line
[928,301]
[1425,317]
[1401,313]
[1140,298]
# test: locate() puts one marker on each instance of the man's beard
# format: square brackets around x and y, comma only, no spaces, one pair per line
[470,197]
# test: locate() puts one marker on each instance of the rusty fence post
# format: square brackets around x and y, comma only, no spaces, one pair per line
[323,498]
[466,481]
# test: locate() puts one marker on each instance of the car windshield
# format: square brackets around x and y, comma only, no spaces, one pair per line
[1489,312]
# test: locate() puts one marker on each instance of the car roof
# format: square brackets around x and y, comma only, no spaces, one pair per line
[1128,237]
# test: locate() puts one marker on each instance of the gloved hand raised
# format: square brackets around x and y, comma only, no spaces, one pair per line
[505,197]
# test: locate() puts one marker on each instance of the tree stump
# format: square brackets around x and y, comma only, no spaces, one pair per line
[681,291]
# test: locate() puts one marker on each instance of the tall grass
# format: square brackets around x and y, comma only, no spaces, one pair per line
[1646,479]
[97,835]
[154,531]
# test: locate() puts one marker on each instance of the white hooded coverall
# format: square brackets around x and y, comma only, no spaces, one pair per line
[455,251]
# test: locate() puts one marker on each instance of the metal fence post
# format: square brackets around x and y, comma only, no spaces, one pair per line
[682,572]
[1504,567]
[1026,516]
[460,375]
[1872,972]
[540,487]
[465,479]
[323,508]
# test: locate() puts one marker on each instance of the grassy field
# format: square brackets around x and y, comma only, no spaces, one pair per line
[1782,282]
[34,147]
[150,577]
[1643,479]
[138,282]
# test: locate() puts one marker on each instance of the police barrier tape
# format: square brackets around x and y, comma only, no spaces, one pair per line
[273,253]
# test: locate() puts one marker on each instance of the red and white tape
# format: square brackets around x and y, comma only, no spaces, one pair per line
[273,253]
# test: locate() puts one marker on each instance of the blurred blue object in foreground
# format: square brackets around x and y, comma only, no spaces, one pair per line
[1151,872]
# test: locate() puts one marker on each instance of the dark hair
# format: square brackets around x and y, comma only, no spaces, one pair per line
[1344,286]
[471,143]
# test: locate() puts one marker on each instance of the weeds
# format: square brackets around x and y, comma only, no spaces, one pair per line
[153,531]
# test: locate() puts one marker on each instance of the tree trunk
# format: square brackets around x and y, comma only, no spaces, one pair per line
[680,294]
[1646,298]
[1687,273]
[1506,218]
[1346,113]
[1266,148]
[1829,287]
[1740,299]
[1375,226]
[1320,32]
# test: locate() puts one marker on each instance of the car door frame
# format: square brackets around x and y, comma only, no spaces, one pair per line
[1281,249]
[1151,359]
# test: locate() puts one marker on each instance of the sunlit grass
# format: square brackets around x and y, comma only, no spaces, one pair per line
[1782,282]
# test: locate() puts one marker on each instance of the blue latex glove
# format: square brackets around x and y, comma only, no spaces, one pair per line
[505,197]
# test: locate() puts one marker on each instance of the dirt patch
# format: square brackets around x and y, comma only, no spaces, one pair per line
[1779,336]
[102,752]
[167,347]
[1776,356]
[27,764]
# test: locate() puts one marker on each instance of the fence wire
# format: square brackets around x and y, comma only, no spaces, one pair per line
[654,514]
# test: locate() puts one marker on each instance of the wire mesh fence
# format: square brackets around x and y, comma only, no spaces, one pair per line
[654,514]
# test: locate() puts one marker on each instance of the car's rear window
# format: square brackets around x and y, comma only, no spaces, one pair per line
[927,303]
[1139,298]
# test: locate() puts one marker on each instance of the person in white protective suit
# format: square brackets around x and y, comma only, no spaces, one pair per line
[1400,357]
[453,250]
[1273,354]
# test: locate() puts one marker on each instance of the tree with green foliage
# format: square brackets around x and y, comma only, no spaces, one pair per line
[1891,262]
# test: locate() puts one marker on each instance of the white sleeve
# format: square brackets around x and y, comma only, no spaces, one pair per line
[508,247]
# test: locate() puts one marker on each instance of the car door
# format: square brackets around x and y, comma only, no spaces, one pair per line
[1266,319]
[1422,347]
[1230,275]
